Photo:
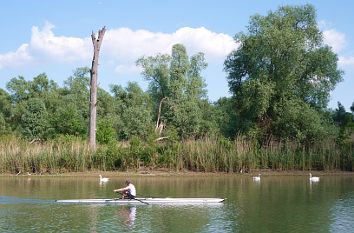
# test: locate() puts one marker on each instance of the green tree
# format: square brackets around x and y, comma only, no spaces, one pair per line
[176,84]
[281,76]
[19,89]
[39,87]
[133,111]
[345,122]
[5,112]
[70,116]
[226,116]
[105,103]
[106,116]
[209,120]
[34,120]
[105,130]
[68,120]
[22,91]
[76,88]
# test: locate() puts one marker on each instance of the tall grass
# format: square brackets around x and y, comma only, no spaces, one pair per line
[206,155]
[17,155]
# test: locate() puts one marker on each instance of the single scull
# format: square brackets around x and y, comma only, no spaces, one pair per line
[173,201]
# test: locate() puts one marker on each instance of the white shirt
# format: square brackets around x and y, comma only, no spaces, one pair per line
[132,189]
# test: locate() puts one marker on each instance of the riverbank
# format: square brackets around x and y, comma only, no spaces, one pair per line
[205,156]
[166,173]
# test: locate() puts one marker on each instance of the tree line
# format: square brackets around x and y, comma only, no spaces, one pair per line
[280,78]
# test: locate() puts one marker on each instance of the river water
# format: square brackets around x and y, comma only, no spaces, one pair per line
[277,203]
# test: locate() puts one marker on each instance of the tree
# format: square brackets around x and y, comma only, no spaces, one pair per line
[133,109]
[68,120]
[93,91]
[39,87]
[226,116]
[345,122]
[71,114]
[24,92]
[5,112]
[282,75]
[19,89]
[105,130]
[34,121]
[177,90]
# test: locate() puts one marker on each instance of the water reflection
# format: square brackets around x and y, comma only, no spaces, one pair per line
[101,183]
[127,214]
[276,204]
[313,184]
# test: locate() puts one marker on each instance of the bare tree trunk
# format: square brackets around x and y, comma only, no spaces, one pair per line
[159,125]
[93,88]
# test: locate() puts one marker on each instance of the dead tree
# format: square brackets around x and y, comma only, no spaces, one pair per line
[159,125]
[93,86]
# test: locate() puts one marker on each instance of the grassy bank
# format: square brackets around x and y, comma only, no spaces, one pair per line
[208,155]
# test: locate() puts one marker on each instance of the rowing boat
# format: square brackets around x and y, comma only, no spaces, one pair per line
[184,201]
[146,201]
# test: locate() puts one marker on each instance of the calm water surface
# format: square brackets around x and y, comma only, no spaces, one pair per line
[275,204]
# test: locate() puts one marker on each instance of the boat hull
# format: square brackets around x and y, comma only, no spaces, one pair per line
[184,201]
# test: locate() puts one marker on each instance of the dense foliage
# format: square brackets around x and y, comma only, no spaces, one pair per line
[175,83]
[280,77]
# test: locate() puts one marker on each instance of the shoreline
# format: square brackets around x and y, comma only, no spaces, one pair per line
[161,173]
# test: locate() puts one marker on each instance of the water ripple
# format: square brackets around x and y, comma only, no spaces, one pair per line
[343,215]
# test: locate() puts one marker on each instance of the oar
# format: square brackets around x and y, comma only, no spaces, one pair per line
[141,201]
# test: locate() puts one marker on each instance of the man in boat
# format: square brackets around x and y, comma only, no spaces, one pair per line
[128,192]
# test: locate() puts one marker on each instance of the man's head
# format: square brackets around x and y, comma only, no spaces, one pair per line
[127,182]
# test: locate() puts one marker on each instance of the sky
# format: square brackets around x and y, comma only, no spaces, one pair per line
[54,37]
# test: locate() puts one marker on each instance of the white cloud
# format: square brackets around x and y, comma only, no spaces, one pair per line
[336,40]
[214,45]
[58,48]
[127,69]
[15,59]
[121,47]
[346,61]
[126,45]
[324,24]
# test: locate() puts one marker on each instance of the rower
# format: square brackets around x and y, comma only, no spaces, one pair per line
[127,192]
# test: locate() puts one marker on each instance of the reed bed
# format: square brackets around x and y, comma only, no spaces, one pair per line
[206,155]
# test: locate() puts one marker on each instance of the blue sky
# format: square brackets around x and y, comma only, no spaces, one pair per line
[53,37]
